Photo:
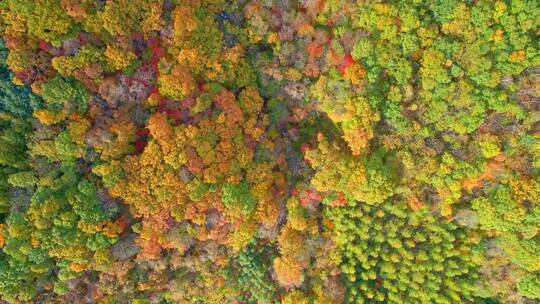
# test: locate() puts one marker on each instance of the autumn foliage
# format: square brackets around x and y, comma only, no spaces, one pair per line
[295,152]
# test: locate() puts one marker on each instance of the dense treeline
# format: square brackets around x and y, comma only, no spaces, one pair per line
[251,151]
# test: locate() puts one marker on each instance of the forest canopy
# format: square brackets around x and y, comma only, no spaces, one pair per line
[261,152]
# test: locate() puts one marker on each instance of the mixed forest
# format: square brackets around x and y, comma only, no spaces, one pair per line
[270,151]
